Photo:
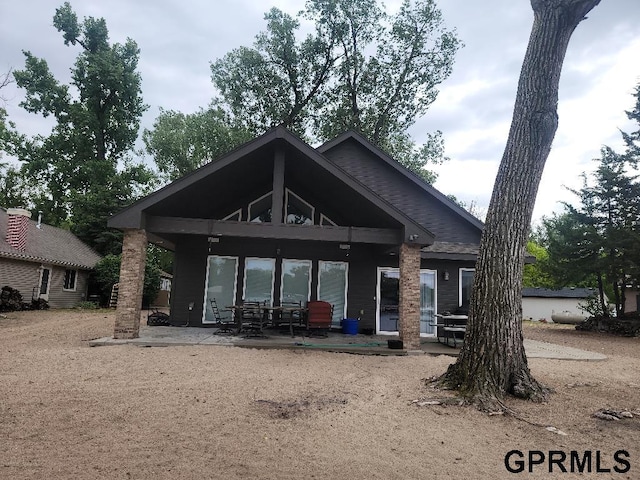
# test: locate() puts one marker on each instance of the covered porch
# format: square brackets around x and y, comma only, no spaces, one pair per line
[273,221]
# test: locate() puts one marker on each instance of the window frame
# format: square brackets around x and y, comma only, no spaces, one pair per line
[258,200]
[74,280]
[289,192]
[460,272]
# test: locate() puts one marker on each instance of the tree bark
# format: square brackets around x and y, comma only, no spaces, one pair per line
[492,362]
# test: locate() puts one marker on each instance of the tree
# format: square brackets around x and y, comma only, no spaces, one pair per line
[536,274]
[84,159]
[181,143]
[632,140]
[492,362]
[360,69]
[107,273]
[600,237]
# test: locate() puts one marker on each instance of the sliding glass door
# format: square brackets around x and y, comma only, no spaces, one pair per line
[258,280]
[332,288]
[220,286]
[389,297]
[296,281]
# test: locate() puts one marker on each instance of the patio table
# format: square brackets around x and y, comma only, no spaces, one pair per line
[451,324]
[279,310]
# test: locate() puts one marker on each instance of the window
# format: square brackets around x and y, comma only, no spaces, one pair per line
[466,283]
[258,280]
[326,221]
[332,288]
[220,285]
[296,281]
[260,209]
[237,215]
[70,279]
[299,212]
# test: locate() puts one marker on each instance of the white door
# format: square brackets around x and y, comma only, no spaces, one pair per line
[387,317]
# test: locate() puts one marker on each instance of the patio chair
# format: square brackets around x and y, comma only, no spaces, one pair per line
[253,319]
[292,313]
[319,316]
[226,325]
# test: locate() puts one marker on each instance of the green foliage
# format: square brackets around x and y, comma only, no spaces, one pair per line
[181,143]
[360,69]
[87,306]
[107,273]
[81,168]
[13,188]
[599,240]
[536,274]
[632,139]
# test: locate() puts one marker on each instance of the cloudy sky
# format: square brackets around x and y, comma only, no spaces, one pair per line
[178,39]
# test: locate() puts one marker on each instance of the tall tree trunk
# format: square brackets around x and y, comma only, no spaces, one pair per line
[603,303]
[492,362]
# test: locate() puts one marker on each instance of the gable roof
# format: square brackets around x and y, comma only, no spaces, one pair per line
[132,216]
[50,245]
[404,171]
[567,292]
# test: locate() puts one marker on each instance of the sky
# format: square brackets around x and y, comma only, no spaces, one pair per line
[178,40]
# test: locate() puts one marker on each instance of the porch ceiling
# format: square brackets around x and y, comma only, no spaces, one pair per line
[231,183]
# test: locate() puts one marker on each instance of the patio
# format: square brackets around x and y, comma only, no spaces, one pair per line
[360,344]
[160,336]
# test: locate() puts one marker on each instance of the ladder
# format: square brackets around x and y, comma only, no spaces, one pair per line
[113,301]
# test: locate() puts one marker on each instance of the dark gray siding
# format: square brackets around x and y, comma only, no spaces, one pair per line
[364,260]
[403,193]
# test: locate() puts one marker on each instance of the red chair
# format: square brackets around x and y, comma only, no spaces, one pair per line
[319,315]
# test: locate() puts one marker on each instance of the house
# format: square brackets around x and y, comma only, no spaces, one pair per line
[278,220]
[43,262]
[542,303]
[163,298]
[632,299]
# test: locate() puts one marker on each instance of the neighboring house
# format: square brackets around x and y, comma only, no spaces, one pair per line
[163,298]
[42,261]
[278,220]
[631,300]
[542,303]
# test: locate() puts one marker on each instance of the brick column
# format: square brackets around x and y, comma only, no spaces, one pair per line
[409,308]
[134,256]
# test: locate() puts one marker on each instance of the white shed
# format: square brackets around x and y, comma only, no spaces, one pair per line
[541,303]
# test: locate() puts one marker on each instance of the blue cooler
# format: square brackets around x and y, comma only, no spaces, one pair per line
[350,326]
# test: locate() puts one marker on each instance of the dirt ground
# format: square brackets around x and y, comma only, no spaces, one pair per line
[70,411]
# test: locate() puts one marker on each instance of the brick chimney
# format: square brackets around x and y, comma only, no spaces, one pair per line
[17,227]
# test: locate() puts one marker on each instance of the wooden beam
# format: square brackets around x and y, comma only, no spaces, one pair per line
[277,197]
[202,226]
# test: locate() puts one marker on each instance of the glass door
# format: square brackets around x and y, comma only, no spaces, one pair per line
[427,303]
[220,285]
[258,280]
[332,288]
[296,281]
[389,298]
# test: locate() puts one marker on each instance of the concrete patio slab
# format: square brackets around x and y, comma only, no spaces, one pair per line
[159,336]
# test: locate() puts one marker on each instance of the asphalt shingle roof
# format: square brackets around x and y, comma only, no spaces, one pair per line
[566,292]
[48,244]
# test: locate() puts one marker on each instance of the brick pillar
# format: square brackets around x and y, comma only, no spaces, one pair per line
[409,308]
[134,256]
